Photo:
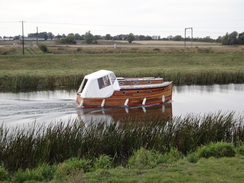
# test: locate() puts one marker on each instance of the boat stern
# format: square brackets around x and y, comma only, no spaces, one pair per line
[79,100]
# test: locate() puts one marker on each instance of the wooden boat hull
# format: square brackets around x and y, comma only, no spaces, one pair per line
[133,96]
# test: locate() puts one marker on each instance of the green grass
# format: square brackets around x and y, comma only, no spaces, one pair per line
[212,169]
[126,63]
[26,148]
[48,70]
[134,151]
[206,170]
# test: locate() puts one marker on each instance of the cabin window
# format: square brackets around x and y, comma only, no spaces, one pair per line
[121,83]
[82,86]
[137,91]
[123,92]
[148,82]
[113,77]
[151,91]
[135,83]
[103,82]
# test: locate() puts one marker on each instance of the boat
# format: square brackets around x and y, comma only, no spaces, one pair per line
[103,89]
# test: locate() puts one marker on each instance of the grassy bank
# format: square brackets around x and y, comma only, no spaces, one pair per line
[26,148]
[214,162]
[56,70]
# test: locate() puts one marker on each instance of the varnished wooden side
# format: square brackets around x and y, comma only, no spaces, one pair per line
[131,97]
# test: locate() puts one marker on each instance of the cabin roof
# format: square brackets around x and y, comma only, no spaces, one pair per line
[98,74]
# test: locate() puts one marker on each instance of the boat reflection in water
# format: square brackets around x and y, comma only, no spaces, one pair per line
[124,114]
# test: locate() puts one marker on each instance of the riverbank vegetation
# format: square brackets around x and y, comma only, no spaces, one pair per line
[183,66]
[68,150]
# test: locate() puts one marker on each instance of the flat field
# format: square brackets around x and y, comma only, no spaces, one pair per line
[205,65]
[123,64]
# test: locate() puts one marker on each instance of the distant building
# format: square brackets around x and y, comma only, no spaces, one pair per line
[31,39]
[6,38]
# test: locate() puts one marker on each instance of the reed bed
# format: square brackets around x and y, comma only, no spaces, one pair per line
[179,78]
[22,148]
[35,82]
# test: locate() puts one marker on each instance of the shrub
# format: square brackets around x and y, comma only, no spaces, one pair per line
[3,174]
[240,149]
[173,155]
[70,39]
[103,162]
[192,157]
[46,171]
[144,159]
[217,150]
[43,48]
[27,175]
[70,166]
[156,49]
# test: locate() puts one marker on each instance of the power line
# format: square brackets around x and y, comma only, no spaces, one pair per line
[126,25]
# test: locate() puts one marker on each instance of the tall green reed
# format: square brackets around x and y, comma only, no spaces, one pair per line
[179,78]
[27,148]
[36,82]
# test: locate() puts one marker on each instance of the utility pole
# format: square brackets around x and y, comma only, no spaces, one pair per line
[37,36]
[23,38]
[191,35]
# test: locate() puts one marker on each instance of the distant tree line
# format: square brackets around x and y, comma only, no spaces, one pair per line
[233,38]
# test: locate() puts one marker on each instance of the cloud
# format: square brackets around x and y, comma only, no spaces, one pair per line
[158,17]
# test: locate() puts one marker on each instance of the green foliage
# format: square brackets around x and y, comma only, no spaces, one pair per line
[233,39]
[43,48]
[53,70]
[3,174]
[108,37]
[42,172]
[45,35]
[89,38]
[27,175]
[72,170]
[217,150]
[192,157]
[103,162]
[130,38]
[173,155]
[46,171]
[59,142]
[207,170]
[70,39]
[71,166]
[240,148]
[144,159]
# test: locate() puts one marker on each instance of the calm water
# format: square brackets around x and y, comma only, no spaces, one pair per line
[59,105]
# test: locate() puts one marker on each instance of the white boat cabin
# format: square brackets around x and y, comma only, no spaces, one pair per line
[100,84]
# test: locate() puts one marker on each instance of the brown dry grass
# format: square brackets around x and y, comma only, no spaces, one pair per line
[103,46]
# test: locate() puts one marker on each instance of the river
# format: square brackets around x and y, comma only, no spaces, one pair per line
[59,105]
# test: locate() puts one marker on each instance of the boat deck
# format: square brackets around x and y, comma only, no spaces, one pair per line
[139,81]
[156,85]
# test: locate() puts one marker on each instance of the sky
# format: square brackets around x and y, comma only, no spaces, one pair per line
[141,17]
